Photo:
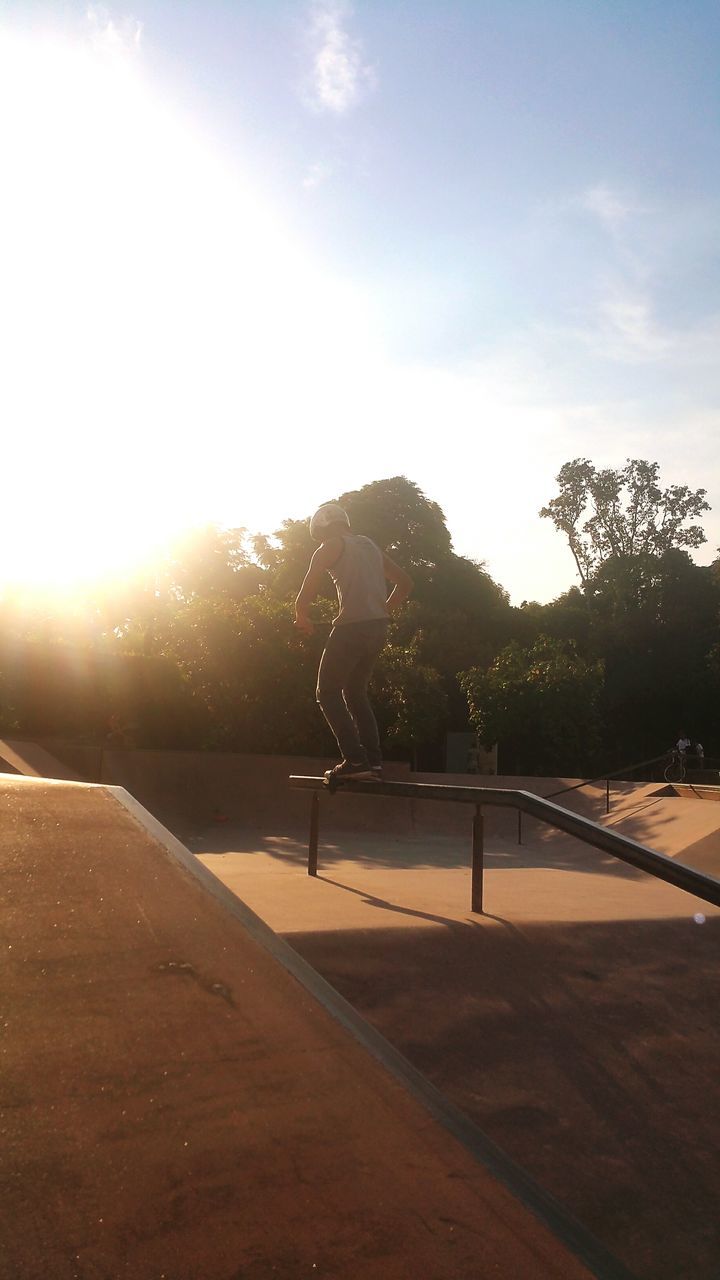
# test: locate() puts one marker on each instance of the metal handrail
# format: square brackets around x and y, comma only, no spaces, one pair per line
[601,777]
[622,847]
[605,777]
[589,782]
[708,762]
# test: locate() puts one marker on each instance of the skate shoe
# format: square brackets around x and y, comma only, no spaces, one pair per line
[348,769]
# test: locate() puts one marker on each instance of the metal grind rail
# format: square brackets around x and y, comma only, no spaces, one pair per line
[607,778]
[622,774]
[630,851]
[618,774]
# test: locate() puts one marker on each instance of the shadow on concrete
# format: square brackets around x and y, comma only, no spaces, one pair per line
[218,802]
[540,849]
[371,900]
[432,834]
[180,1099]
[590,1053]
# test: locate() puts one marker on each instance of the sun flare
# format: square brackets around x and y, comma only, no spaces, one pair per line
[158,321]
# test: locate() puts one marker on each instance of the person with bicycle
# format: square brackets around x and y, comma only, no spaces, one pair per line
[680,757]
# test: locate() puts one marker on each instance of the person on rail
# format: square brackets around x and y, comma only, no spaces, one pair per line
[360,572]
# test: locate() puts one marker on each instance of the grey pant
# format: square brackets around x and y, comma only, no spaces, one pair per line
[345,669]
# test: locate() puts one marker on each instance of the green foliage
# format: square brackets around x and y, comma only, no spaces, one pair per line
[540,704]
[63,690]
[255,676]
[209,561]
[251,673]
[285,556]
[397,516]
[457,615]
[656,660]
[566,618]
[652,613]
[409,698]
[199,649]
[394,513]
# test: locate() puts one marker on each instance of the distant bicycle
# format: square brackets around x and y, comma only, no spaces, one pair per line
[675,768]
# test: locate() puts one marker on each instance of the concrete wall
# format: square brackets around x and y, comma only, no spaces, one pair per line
[34,761]
[188,790]
[84,761]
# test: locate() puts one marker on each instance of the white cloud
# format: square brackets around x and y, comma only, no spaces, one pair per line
[316,175]
[628,330]
[112,37]
[627,303]
[623,327]
[607,205]
[339,74]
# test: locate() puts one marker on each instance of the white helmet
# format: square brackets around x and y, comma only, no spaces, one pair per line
[329,513]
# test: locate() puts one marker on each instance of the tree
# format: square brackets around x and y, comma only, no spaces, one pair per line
[394,513]
[655,658]
[540,704]
[204,563]
[622,522]
[410,700]
[458,615]
[250,672]
[397,516]
[285,556]
[565,618]
[209,561]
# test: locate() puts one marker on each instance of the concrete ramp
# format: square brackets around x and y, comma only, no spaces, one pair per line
[34,761]
[687,829]
[183,1096]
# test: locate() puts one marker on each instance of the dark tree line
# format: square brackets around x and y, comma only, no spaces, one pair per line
[201,651]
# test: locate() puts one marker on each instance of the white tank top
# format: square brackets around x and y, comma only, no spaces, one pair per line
[359,577]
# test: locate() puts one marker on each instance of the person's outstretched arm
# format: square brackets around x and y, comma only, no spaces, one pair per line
[402,584]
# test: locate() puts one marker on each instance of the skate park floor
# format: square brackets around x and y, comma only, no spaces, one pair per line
[575,1020]
[180,1097]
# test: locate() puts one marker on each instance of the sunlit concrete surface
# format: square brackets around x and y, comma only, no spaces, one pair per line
[575,1020]
[176,1103]
[422,875]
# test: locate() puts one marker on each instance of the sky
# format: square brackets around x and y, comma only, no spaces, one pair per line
[254,255]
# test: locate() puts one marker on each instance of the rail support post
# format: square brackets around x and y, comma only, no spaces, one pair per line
[314,827]
[477,861]
[519,814]
[607,796]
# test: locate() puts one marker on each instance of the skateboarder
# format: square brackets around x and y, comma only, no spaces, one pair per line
[360,572]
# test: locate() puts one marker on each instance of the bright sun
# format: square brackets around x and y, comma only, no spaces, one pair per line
[157,322]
